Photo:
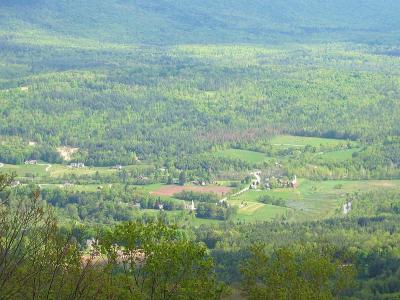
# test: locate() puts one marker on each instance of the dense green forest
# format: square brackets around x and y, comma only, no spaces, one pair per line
[219,21]
[118,104]
[199,149]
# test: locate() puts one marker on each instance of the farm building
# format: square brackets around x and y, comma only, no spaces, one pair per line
[31,162]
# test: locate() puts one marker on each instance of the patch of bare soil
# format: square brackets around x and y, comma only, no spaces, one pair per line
[169,190]
[66,152]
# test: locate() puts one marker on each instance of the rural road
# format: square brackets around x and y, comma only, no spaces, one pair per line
[1,165]
[48,166]
[256,175]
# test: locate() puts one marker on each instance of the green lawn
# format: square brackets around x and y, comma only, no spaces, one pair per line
[252,157]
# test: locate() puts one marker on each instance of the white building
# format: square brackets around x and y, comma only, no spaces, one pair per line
[77,165]
[346,208]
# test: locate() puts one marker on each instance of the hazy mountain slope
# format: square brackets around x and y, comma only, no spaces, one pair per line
[206,21]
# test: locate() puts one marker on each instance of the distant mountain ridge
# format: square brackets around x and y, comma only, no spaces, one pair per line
[206,21]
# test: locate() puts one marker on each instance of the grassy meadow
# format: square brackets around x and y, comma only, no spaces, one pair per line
[310,201]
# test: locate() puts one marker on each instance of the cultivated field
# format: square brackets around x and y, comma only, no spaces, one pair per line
[170,190]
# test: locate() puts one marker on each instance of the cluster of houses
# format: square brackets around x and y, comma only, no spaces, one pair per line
[31,162]
[77,165]
[256,182]
[281,182]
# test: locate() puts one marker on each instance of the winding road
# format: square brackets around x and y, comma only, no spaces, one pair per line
[48,166]
[258,178]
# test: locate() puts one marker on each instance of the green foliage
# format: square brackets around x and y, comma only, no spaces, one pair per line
[197,196]
[158,262]
[142,261]
[172,22]
[200,90]
[303,273]
[182,178]
[161,104]
[213,211]
[269,199]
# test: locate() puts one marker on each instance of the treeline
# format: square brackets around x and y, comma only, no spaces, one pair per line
[197,196]
[103,206]
[215,211]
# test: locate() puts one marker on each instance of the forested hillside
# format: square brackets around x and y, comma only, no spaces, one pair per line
[117,102]
[88,74]
[209,21]
[185,149]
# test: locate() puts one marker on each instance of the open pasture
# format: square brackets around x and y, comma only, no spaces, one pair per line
[338,155]
[252,211]
[24,170]
[315,199]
